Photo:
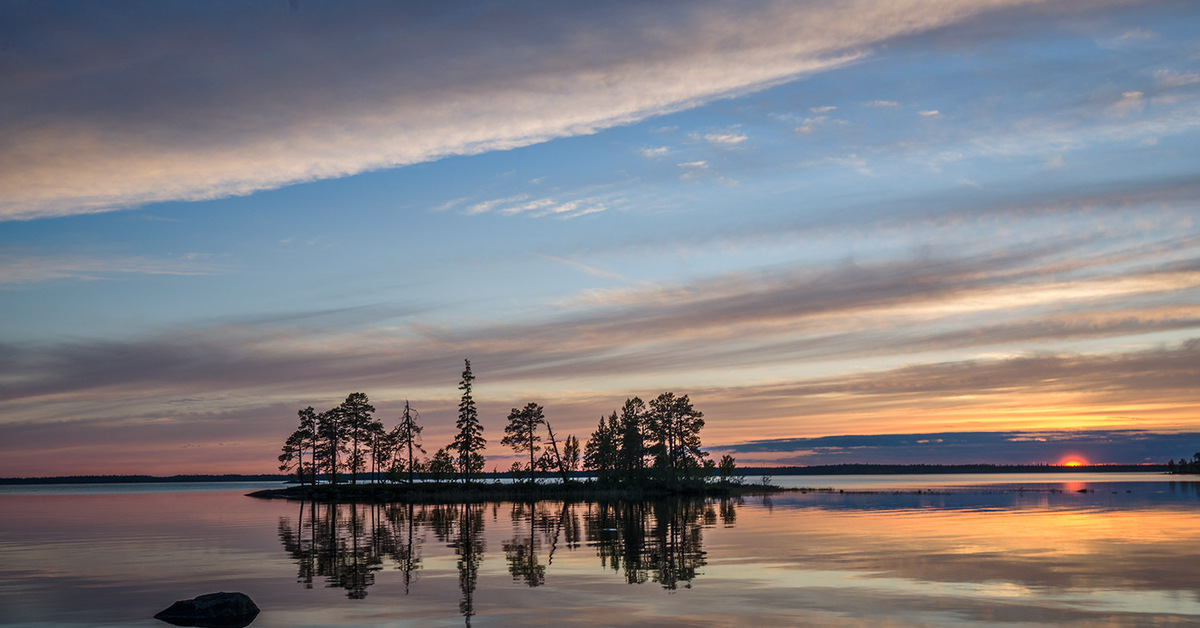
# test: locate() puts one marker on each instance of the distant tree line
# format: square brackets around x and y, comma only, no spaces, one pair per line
[644,444]
[1184,465]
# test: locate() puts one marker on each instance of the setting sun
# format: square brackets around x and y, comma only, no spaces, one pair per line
[1073,462]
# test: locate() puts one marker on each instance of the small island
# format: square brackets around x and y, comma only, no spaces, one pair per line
[643,451]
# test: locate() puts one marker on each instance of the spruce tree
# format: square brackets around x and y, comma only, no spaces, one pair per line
[469,441]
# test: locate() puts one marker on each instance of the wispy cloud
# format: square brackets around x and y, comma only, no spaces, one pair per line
[693,169]
[794,317]
[726,139]
[1040,447]
[19,267]
[251,112]
[878,104]
[540,203]
[522,204]
[591,270]
[1174,78]
[486,206]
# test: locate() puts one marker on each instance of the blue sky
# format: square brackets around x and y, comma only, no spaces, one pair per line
[817,220]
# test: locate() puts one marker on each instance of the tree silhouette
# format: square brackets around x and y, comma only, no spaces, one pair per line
[356,417]
[441,466]
[632,449]
[407,438]
[565,461]
[727,471]
[469,441]
[330,445]
[571,454]
[383,449]
[676,426]
[300,442]
[600,453]
[521,432]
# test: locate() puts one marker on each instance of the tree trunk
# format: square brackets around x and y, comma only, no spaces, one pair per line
[554,445]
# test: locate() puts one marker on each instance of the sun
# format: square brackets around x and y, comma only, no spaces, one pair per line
[1073,461]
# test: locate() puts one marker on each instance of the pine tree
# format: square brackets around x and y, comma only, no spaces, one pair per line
[571,454]
[631,456]
[676,426]
[330,445]
[302,441]
[359,425]
[469,441]
[600,453]
[521,432]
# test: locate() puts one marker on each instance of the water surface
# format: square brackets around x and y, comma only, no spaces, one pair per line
[907,551]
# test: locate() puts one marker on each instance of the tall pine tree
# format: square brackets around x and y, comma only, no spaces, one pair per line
[469,441]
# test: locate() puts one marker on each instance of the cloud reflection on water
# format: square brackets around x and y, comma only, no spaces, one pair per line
[981,557]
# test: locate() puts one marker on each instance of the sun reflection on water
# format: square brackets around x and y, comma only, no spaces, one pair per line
[1043,557]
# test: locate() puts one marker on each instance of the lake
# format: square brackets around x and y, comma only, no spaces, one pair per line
[974,550]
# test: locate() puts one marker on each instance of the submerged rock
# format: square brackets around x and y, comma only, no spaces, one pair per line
[214,610]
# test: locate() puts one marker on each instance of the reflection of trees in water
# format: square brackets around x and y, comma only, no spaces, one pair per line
[658,541]
[346,543]
[539,526]
[654,541]
[469,546]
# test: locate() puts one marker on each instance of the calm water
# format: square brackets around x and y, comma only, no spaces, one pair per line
[965,550]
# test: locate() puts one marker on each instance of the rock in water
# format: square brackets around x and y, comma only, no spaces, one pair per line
[214,610]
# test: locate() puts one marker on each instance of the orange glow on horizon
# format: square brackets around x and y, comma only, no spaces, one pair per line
[1073,461]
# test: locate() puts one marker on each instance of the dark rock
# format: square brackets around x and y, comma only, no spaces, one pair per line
[214,610]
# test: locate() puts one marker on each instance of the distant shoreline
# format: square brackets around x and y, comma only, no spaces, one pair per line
[145,479]
[841,469]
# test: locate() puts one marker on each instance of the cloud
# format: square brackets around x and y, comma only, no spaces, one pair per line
[1175,79]
[924,343]
[726,139]
[157,102]
[540,203]
[1129,38]
[882,104]
[488,205]
[810,124]
[929,112]
[658,151]
[1036,447]
[693,169]
[18,267]
[536,208]
[591,270]
[793,316]
[1130,102]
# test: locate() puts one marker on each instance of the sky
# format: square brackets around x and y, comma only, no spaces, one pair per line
[840,228]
